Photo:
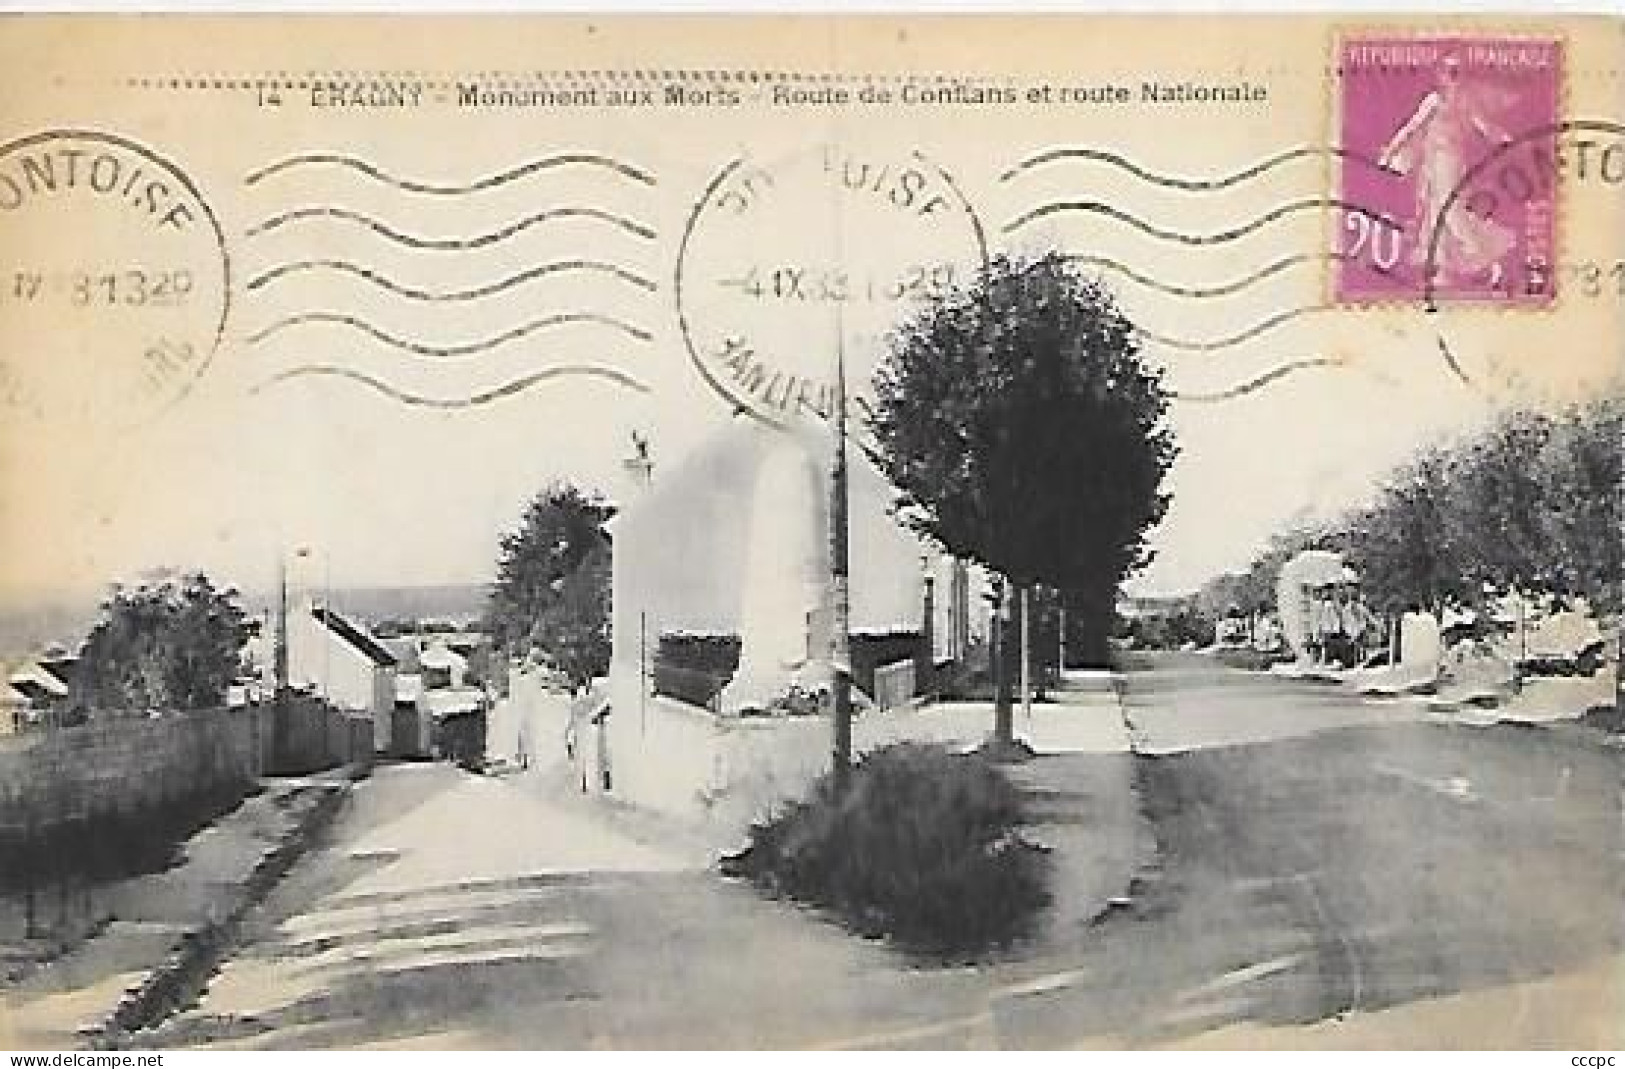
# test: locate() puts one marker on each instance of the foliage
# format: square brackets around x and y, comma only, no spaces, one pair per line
[1091,614]
[1582,470]
[172,644]
[1530,503]
[1185,625]
[487,669]
[798,700]
[695,668]
[1407,547]
[922,847]
[1499,491]
[1022,429]
[574,629]
[552,585]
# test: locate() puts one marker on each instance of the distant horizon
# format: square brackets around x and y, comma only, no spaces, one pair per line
[27,624]
[67,616]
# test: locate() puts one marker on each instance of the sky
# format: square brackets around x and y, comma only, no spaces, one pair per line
[295,435]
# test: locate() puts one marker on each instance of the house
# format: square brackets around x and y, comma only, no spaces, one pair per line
[442,667]
[451,651]
[44,686]
[435,697]
[337,659]
[13,709]
[404,648]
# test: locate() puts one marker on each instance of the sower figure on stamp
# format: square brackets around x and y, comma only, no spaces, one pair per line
[1434,146]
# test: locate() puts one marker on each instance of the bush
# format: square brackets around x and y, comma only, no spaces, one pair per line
[923,848]
[695,668]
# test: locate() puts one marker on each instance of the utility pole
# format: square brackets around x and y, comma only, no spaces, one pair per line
[1003,729]
[928,627]
[1025,594]
[279,657]
[1060,653]
[840,653]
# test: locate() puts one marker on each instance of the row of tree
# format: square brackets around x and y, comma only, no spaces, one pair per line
[1530,503]
[1025,432]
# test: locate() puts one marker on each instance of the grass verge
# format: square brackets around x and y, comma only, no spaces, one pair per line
[923,848]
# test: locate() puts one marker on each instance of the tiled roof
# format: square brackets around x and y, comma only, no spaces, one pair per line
[32,690]
[355,636]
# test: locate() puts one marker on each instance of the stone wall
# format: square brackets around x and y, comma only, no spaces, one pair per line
[115,796]
[100,798]
[308,736]
[128,763]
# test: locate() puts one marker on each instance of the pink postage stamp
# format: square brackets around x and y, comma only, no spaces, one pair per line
[1420,118]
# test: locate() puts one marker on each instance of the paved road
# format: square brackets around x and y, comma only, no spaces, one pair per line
[459,911]
[1325,864]
[1326,859]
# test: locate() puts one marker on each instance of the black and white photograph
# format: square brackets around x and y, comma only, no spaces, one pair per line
[811,532]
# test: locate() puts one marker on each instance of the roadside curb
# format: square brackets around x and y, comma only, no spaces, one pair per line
[1152,864]
[181,977]
[1460,710]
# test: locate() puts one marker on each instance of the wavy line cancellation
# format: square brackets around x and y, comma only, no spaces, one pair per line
[1218,237]
[508,389]
[1194,185]
[447,351]
[298,215]
[384,282]
[1225,289]
[1249,386]
[1263,326]
[377,174]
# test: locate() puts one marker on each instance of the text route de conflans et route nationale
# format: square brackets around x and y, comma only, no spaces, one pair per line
[936,92]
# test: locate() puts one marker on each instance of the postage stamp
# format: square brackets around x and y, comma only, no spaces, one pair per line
[1416,114]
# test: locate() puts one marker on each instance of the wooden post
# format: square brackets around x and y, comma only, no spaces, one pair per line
[1025,595]
[928,630]
[840,639]
[1060,653]
[1003,706]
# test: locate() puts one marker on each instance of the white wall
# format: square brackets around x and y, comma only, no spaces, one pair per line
[717,773]
[683,551]
[323,663]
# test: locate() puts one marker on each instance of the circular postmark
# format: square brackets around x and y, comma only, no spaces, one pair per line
[1520,178]
[786,268]
[114,283]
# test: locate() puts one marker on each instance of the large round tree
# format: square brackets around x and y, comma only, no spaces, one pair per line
[171,644]
[1024,431]
[552,586]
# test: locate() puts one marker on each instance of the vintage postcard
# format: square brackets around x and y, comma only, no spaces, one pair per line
[811,532]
